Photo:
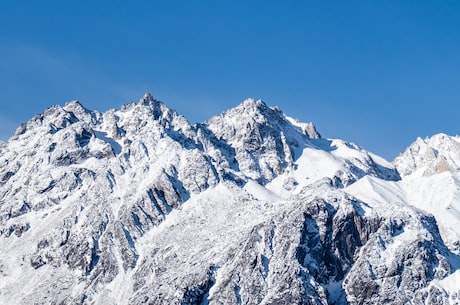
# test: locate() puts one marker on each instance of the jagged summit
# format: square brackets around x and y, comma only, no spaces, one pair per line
[148,97]
[255,113]
[73,104]
[253,103]
[431,155]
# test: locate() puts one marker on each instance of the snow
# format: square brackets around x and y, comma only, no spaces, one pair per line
[260,192]
[209,226]
[335,291]
[377,191]
[425,185]
[429,156]
[208,217]
[311,166]
[18,266]
[105,138]
[451,285]
[438,195]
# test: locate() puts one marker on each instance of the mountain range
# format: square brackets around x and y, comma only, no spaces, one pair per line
[138,206]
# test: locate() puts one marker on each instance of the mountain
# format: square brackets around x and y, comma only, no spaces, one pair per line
[138,206]
[426,157]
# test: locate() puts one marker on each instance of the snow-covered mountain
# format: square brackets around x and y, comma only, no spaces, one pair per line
[138,206]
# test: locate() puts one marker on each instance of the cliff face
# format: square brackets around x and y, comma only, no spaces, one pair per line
[138,206]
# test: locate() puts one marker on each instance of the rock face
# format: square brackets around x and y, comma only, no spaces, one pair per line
[138,206]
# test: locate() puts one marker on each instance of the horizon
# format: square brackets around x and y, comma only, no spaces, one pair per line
[376,74]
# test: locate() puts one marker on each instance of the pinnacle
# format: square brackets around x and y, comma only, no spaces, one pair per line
[148,97]
[252,103]
[75,104]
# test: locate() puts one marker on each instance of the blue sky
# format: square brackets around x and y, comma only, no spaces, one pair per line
[379,73]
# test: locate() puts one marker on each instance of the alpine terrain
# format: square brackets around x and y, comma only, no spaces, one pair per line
[138,206]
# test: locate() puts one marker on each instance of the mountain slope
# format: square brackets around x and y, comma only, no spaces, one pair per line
[138,206]
[431,183]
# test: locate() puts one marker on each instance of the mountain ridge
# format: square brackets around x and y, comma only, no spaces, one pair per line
[138,206]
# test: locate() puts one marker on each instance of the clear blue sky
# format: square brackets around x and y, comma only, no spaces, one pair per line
[379,73]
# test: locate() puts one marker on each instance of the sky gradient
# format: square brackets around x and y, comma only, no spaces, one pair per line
[378,73]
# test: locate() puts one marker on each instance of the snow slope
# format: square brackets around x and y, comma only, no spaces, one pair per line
[431,183]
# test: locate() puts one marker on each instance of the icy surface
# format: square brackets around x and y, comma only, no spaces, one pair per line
[138,206]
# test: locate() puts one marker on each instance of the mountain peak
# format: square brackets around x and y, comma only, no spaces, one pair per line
[264,133]
[73,104]
[148,97]
[78,110]
[252,103]
[431,155]
[253,113]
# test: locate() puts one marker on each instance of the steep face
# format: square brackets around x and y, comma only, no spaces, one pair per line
[430,156]
[397,265]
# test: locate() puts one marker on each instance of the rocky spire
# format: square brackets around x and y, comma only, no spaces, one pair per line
[148,97]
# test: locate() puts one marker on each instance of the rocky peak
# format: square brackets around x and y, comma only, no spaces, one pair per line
[74,105]
[253,115]
[148,97]
[52,119]
[431,155]
[76,109]
[264,138]
[251,106]
[148,116]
